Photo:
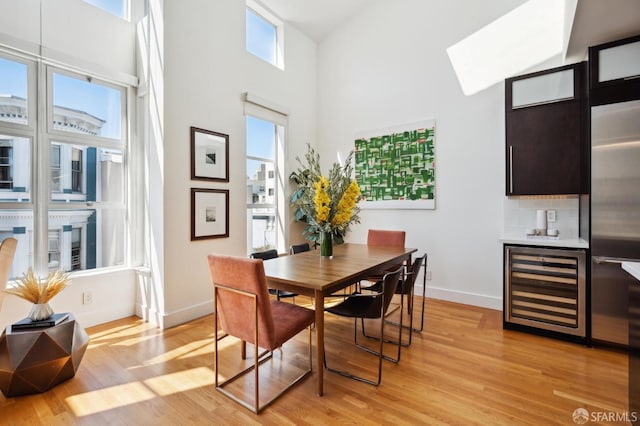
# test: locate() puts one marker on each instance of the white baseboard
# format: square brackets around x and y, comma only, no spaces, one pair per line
[97,317]
[466,298]
[172,319]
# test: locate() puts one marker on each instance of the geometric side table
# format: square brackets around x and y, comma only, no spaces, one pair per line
[33,361]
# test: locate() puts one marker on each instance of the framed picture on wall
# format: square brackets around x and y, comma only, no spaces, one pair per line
[396,167]
[209,155]
[209,213]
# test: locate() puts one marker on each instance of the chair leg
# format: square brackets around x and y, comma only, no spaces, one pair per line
[353,376]
[259,359]
[398,324]
[382,340]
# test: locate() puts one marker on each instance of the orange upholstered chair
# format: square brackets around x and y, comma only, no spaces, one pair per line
[244,309]
[386,238]
[7,252]
[383,237]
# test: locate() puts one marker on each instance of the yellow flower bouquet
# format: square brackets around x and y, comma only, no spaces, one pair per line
[328,204]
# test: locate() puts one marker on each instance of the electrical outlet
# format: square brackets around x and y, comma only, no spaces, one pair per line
[551,216]
[87,298]
[428,274]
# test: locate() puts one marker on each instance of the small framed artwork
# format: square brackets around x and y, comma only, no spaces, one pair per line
[209,155]
[209,213]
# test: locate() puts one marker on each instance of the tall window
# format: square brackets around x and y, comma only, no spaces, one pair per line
[264,34]
[261,159]
[76,210]
[266,200]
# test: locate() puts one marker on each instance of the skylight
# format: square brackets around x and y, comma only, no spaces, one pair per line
[528,35]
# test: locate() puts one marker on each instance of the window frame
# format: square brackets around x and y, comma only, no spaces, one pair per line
[278,162]
[40,135]
[277,23]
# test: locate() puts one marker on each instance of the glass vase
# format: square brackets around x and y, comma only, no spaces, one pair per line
[326,244]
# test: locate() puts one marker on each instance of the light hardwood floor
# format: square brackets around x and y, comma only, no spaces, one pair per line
[464,369]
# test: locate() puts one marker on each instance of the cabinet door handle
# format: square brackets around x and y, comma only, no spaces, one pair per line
[511,169]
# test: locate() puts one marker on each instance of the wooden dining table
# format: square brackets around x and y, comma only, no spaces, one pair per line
[315,276]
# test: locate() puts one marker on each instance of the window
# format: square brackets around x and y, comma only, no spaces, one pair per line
[6,165]
[76,242]
[76,170]
[54,250]
[55,168]
[83,145]
[81,106]
[264,35]
[13,91]
[265,151]
[115,7]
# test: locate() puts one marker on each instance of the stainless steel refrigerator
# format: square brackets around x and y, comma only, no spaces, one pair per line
[615,216]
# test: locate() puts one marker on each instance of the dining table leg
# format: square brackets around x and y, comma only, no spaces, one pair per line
[319,307]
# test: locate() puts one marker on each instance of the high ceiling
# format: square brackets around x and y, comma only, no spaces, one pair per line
[600,21]
[315,18]
[596,21]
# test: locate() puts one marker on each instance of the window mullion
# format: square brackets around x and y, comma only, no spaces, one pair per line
[41,173]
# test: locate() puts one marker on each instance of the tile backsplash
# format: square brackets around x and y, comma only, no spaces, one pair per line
[520,215]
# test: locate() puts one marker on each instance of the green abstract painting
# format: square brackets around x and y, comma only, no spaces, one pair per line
[395,168]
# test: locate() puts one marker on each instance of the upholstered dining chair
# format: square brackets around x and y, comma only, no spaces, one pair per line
[272,254]
[370,306]
[386,238]
[406,288]
[7,252]
[245,311]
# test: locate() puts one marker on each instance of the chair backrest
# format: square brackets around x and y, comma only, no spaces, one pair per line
[383,299]
[382,237]
[264,255]
[235,309]
[299,248]
[410,279]
[7,252]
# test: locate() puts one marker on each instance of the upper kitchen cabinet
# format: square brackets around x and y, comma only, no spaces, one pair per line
[546,119]
[614,71]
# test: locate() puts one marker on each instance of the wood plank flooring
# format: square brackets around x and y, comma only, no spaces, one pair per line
[462,370]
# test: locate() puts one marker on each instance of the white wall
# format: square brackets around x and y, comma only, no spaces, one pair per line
[388,66]
[206,71]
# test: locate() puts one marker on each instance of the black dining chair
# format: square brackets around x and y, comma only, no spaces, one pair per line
[406,288]
[372,305]
[299,248]
[272,254]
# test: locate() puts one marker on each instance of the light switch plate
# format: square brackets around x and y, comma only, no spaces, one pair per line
[551,216]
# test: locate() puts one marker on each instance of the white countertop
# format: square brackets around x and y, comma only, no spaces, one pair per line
[633,268]
[542,241]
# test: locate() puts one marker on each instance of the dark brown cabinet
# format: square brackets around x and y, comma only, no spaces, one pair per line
[614,71]
[546,115]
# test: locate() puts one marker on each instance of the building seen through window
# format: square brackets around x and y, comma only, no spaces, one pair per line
[262,188]
[86,207]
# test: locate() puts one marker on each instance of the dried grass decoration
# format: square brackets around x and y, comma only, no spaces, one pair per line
[39,292]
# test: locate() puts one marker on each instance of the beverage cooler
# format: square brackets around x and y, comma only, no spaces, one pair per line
[545,290]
